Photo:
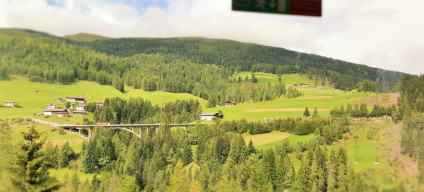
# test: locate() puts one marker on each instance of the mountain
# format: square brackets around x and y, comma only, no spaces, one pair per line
[202,67]
[249,57]
[85,37]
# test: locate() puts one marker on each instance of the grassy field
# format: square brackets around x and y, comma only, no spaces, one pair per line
[324,98]
[53,137]
[292,138]
[61,173]
[33,96]
[262,139]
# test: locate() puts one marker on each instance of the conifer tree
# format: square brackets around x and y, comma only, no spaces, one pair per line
[315,114]
[306,113]
[31,172]
[251,149]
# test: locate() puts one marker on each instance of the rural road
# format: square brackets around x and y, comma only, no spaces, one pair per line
[44,122]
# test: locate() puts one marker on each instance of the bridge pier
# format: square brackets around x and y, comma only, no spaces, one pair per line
[89,133]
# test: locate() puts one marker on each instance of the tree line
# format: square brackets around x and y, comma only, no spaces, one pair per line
[411,110]
[137,110]
[362,111]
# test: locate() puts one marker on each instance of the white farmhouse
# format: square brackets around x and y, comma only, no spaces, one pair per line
[210,116]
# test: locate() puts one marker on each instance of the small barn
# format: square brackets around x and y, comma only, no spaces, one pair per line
[304,85]
[60,100]
[80,108]
[99,103]
[210,116]
[56,112]
[230,103]
[51,106]
[9,104]
[76,99]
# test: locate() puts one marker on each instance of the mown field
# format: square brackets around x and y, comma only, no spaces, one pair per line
[324,98]
[33,96]
[52,135]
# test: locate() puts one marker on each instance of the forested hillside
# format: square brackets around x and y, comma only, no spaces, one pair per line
[251,57]
[51,59]
[411,110]
[201,67]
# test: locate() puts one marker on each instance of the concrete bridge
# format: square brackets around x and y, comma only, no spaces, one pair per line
[135,129]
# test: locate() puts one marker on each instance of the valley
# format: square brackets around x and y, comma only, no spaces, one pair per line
[283,120]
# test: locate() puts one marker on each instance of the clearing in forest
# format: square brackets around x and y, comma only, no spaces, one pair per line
[261,139]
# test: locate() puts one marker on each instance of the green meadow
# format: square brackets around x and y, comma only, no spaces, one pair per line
[61,174]
[293,139]
[34,96]
[324,98]
[52,135]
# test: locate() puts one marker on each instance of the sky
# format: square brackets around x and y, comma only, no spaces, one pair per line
[386,34]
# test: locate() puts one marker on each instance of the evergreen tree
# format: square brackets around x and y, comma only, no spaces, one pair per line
[315,114]
[31,172]
[303,180]
[251,149]
[177,181]
[75,181]
[95,183]
[306,113]
[349,109]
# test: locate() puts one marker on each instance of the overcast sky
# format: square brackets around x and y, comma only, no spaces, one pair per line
[387,34]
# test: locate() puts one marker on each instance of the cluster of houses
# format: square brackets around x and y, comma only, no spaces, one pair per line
[78,103]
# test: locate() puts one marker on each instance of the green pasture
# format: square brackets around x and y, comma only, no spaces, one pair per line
[323,97]
[34,96]
[51,135]
[61,173]
[292,138]
[284,107]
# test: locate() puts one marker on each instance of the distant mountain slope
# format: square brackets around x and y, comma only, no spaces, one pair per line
[85,37]
[203,67]
[50,59]
[249,57]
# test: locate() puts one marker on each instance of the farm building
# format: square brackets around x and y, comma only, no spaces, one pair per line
[51,106]
[304,85]
[60,100]
[9,104]
[76,99]
[80,108]
[56,112]
[99,103]
[230,103]
[210,116]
